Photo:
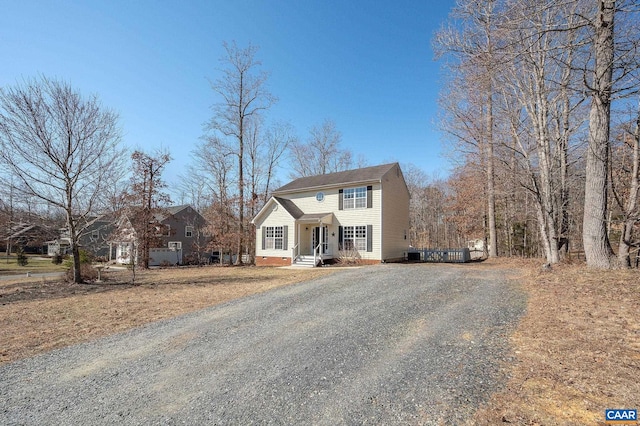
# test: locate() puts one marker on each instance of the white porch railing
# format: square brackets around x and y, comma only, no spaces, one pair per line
[295,252]
[316,253]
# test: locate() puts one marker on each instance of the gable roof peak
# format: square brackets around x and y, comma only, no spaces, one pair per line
[364,174]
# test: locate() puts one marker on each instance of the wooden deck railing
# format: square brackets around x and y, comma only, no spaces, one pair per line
[455,255]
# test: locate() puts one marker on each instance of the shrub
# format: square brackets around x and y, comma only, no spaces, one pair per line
[22,258]
[85,258]
[349,257]
[87,271]
[56,259]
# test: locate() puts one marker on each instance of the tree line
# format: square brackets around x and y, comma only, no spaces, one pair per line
[541,109]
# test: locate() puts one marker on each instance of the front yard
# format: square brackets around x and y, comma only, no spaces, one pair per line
[44,314]
[577,349]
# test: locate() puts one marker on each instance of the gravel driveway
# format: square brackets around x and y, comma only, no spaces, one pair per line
[388,344]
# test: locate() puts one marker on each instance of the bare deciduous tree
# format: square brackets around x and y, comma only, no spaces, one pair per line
[612,75]
[626,186]
[244,95]
[473,44]
[321,154]
[595,236]
[147,199]
[62,147]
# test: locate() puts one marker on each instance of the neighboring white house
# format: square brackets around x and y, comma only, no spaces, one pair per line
[362,212]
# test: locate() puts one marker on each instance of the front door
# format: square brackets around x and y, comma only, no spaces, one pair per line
[315,239]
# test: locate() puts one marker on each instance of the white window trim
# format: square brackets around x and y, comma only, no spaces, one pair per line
[124,250]
[188,231]
[176,244]
[357,237]
[354,198]
[273,241]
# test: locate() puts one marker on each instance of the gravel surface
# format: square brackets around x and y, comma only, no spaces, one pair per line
[389,344]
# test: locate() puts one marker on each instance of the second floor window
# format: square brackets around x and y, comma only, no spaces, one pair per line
[355,198]
[188,231]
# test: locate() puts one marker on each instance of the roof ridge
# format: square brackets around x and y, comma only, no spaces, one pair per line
[362,174]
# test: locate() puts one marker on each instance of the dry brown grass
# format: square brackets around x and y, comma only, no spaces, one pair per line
[577,348]
[38,316]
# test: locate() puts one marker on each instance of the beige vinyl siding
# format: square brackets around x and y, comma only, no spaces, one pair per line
[307,202]
[388,218]
[365,216]
[278,217]
[395,215]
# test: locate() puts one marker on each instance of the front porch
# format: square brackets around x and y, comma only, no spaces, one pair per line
[314,240]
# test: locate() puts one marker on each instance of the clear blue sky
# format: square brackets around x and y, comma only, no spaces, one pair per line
[367,65]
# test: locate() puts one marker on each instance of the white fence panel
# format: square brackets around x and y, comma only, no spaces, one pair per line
[164,256]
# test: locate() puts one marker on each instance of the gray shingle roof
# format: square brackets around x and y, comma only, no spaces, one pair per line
[290,207]
[366,174]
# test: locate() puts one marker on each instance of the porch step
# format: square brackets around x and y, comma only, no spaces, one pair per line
[306,261]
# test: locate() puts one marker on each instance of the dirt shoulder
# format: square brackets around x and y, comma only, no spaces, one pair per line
[577,348]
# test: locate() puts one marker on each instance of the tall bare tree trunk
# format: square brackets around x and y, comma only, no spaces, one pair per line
[563,151]
[243,97]
[241,121]
[491,190]
[595,239]
[631,206]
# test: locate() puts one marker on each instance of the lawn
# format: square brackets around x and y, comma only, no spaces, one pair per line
[36,265]
[44,314]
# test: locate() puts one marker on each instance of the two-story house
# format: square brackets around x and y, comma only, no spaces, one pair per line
[94,232]
[360,213]
[179,237]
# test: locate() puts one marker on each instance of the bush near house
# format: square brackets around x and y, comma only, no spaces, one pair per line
[87,271]
[21,257]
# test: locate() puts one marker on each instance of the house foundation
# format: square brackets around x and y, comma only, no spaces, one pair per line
[273,261]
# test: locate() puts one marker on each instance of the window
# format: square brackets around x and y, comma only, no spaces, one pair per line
[176,245]
[274,237]
[355,198]
[95,234]
[354,238]
[188,231]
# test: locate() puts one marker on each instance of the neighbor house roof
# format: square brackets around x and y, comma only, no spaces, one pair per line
[29,231]
[177,209]
[169,211]
[366,174]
